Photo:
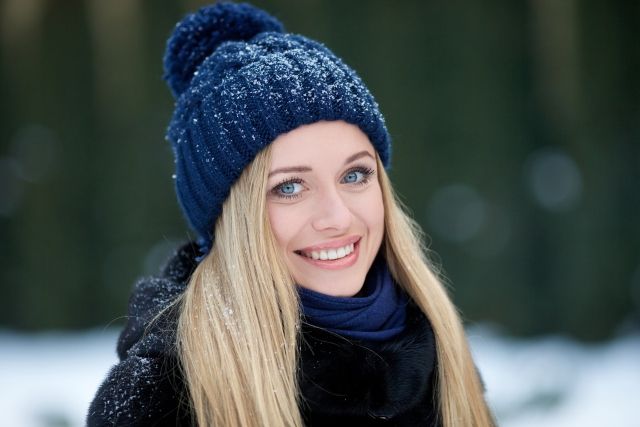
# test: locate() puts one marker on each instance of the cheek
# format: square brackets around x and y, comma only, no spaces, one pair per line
[370,210]
[283,224]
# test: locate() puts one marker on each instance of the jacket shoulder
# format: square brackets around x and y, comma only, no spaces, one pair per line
[146,386]
[141,391]
[152,295]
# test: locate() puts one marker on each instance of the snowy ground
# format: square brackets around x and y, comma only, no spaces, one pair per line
[555,381]
[49,379]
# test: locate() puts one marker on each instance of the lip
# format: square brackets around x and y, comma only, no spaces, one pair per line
[336,264]
[333,244]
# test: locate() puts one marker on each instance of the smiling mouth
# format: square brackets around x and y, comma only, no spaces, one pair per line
[329,254]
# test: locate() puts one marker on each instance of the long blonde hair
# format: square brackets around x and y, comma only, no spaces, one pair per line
[239,318]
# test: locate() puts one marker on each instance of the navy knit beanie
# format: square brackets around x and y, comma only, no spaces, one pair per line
[240,81]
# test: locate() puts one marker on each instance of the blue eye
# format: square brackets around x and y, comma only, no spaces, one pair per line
[352,177]
[288,189]
[359,175]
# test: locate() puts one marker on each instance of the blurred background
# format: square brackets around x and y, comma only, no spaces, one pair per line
[516,129]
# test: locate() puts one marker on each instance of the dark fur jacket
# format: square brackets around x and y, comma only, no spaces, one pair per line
[342,382]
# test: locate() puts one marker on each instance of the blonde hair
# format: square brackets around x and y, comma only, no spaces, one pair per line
[460,392]
[239,318]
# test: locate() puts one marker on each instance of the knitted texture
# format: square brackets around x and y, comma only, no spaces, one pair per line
[240,81]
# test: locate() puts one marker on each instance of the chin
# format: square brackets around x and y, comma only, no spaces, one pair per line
[333,286]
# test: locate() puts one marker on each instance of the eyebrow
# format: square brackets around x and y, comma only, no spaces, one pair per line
[350,159]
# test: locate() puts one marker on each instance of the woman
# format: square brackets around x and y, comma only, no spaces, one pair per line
[308,299]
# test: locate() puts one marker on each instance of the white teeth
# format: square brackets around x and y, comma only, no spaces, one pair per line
[331,254]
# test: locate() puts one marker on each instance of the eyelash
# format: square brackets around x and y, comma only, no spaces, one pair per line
[367,173]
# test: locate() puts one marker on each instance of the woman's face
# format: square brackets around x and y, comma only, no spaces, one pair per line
[325,205]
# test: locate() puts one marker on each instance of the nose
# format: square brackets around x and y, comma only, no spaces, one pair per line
[331,213]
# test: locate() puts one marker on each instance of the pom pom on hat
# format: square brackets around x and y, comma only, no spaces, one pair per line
[200,33]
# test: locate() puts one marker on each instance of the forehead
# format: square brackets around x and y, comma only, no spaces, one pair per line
[319,142]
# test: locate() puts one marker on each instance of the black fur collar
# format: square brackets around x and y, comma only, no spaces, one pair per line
[364,380]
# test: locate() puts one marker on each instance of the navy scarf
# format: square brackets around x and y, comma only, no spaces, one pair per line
[376,313]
